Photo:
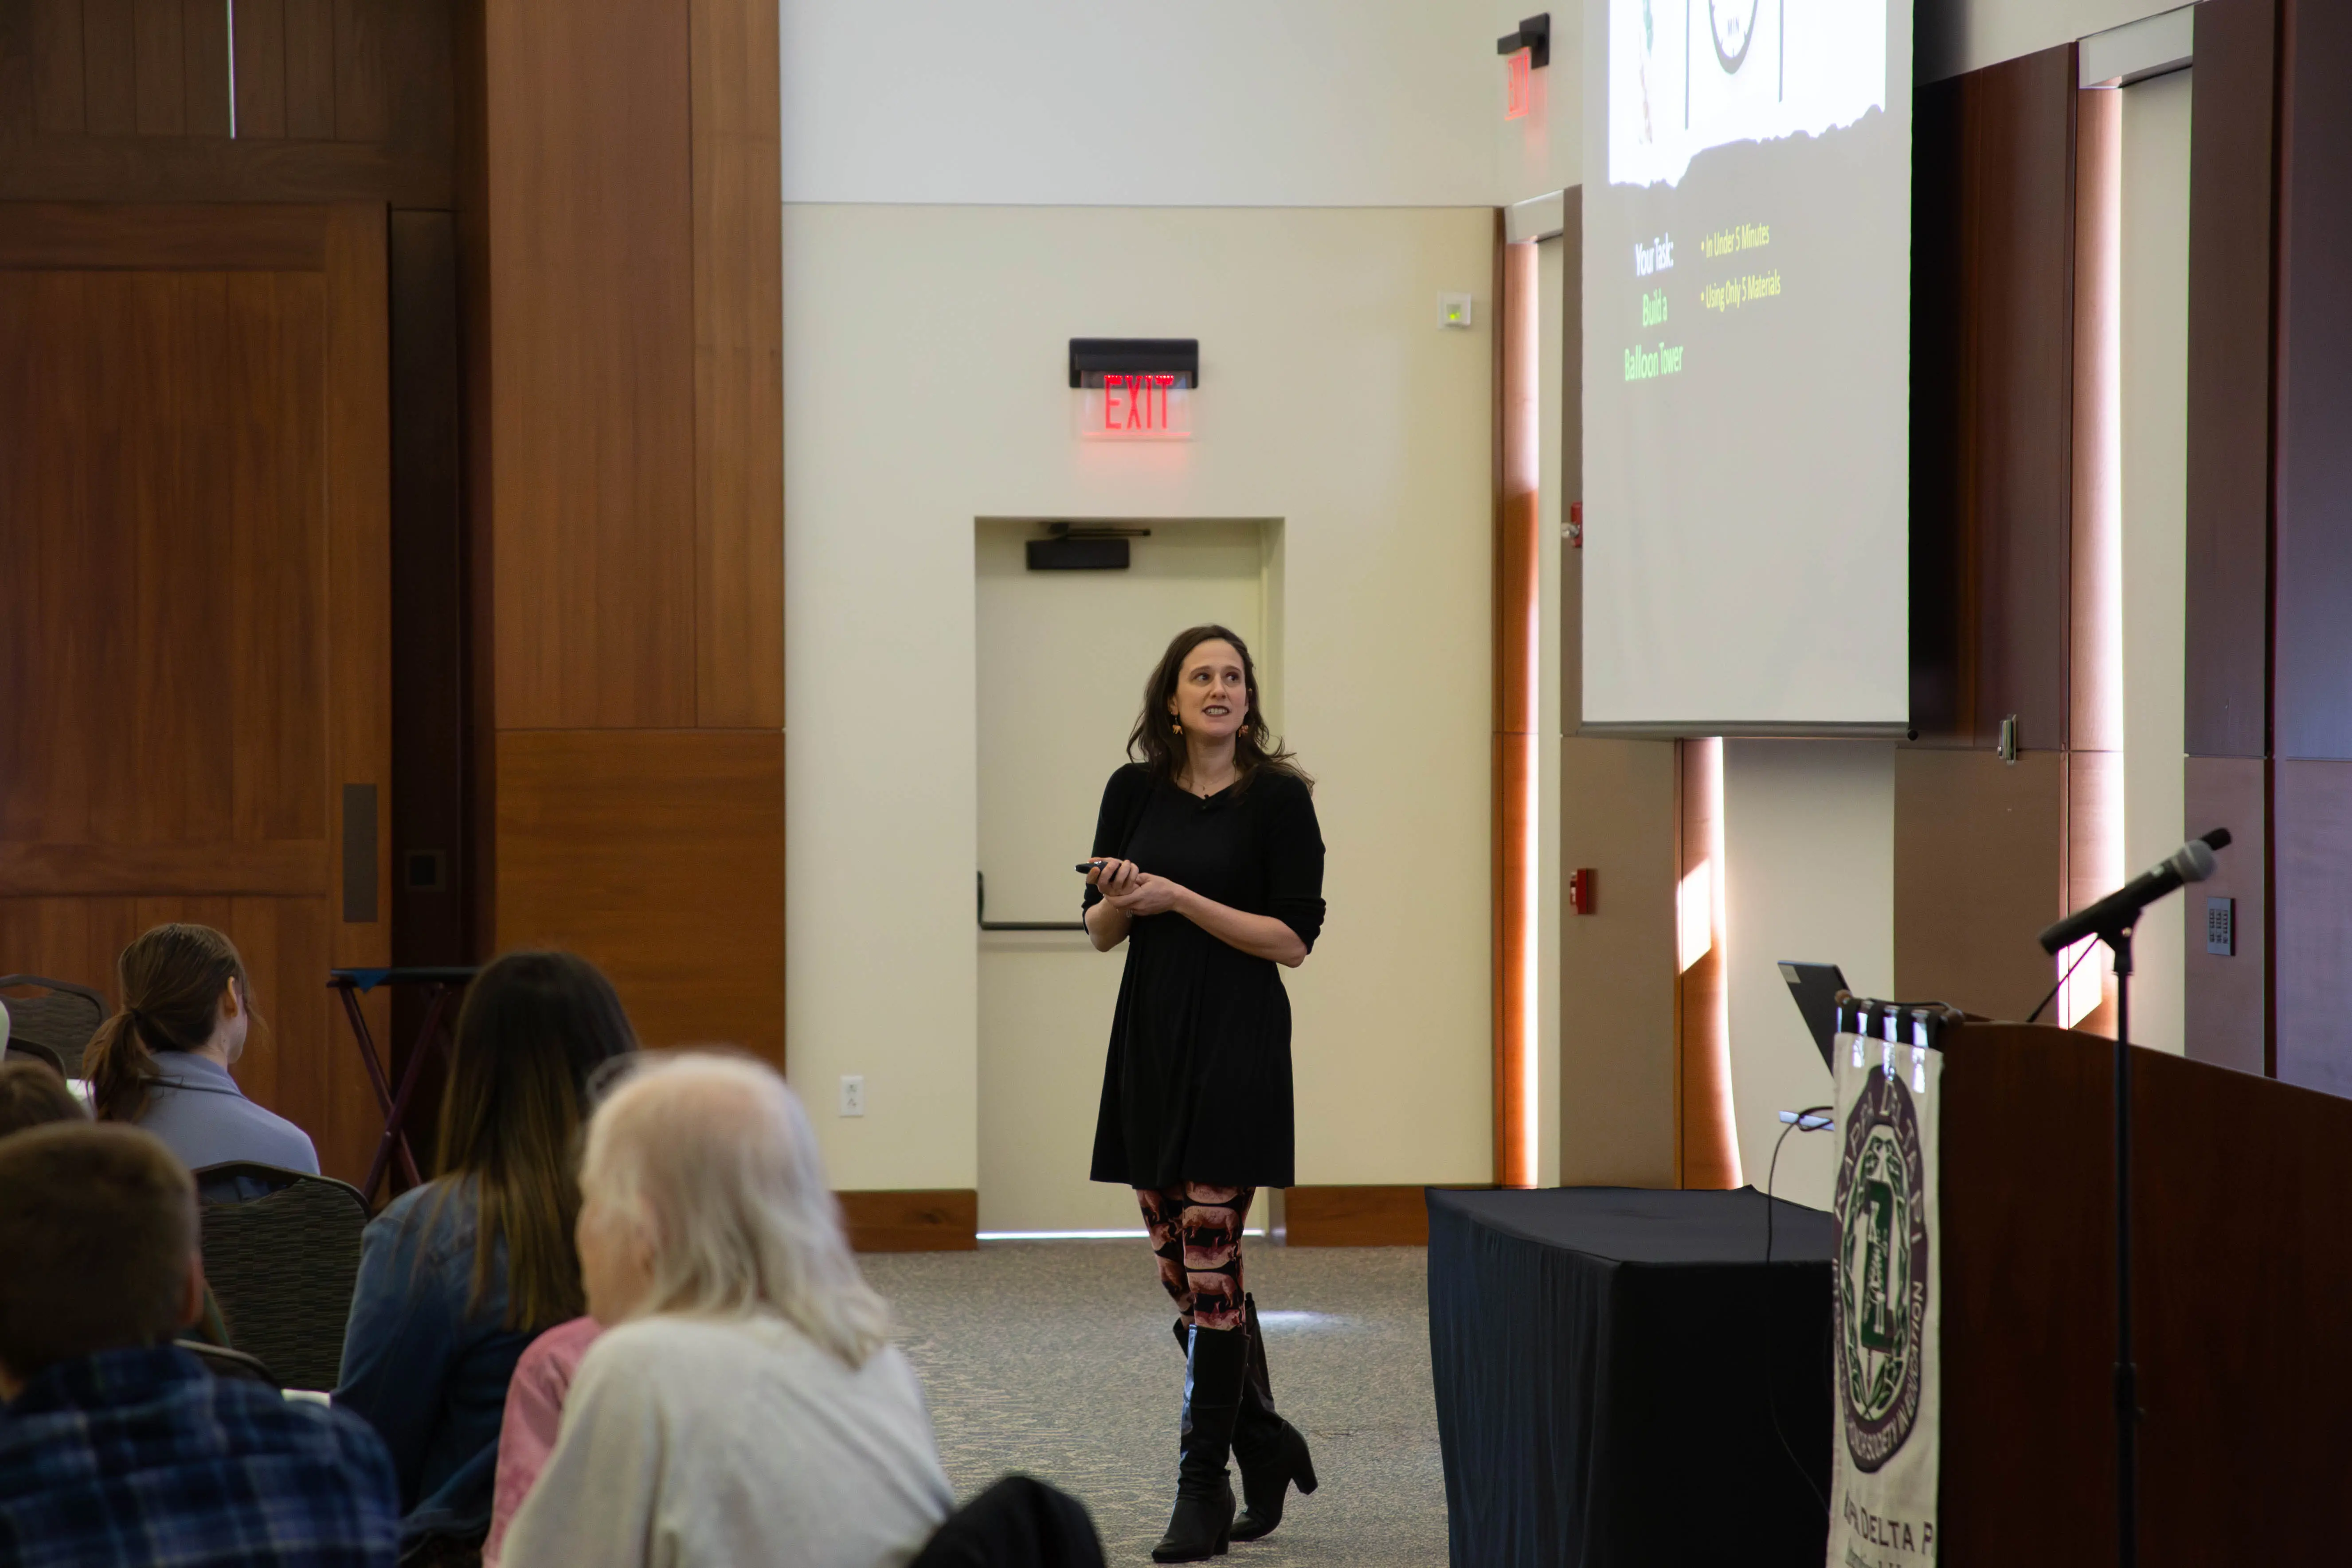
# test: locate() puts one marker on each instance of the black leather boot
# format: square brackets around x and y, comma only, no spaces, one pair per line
[1271,1452]
[1201,1525]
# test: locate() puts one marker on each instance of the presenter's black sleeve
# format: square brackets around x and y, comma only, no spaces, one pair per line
[1122,801]
[1294,860]
[1196,1082]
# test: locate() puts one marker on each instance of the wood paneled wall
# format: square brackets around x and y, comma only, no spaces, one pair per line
[1517,465]
[123,100]
[2232,155]
[1982,847]
[1992,428]
[194,608]
[629,569]
[128,103]
[2270,531]
[2311,570]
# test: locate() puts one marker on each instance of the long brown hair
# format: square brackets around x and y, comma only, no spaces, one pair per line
[1156,743]
[535,1029]
[170,979]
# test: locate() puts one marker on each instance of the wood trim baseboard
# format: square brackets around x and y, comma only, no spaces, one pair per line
[943,1219]
[1360,1216]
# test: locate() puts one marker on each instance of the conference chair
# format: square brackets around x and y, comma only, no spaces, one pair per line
[283,1266]
[1019,1523]
[223,1362]
[63,1019]
[26,1050]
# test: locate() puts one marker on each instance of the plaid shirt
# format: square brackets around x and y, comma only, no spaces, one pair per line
[142,1457]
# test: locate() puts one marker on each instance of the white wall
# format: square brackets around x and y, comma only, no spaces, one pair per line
[1809,874]
[2155,365]
[1215,103]
[925,386]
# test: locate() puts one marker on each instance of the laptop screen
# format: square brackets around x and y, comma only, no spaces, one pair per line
[1814,987]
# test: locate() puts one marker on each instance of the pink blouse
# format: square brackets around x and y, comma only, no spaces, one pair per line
[534,1415]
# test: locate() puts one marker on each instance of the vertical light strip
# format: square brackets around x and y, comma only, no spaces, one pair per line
[1530,890]
[1706,1138]
[1718,914]
[2094,774]
[1519,462]
[232,68]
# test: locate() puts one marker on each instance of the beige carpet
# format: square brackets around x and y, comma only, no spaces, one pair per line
[1054,1358]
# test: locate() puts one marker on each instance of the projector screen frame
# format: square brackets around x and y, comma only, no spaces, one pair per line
[1745,730]
[1725,575]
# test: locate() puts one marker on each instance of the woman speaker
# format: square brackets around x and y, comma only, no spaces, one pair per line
[1208,864]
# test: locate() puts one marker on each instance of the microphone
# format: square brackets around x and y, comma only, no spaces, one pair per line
[2192,862]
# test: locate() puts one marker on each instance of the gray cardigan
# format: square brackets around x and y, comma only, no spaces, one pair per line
[201,1115]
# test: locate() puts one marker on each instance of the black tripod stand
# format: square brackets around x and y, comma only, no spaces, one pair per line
[2126,1371]
[2111,920]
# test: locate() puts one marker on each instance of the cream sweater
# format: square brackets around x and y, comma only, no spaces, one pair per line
[697,1443]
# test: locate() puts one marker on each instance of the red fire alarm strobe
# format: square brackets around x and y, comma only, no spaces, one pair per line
[1579,890]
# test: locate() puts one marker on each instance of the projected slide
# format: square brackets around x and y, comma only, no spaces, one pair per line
[1689,75]
[1746,308]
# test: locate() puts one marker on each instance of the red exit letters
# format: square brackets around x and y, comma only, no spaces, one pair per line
[1136,404]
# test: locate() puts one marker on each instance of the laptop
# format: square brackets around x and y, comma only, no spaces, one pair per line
[1814,987]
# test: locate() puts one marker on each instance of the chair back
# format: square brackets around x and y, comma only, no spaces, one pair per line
[30,1051]
[283,1267]
[223,1362]
[57,1013]
[1019,1523]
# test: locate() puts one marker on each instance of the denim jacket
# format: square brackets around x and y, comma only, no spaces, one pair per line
[430,1376]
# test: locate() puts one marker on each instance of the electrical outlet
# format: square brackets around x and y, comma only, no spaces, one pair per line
[853,1094]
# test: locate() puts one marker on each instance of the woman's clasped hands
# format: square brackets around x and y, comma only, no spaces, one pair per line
[1132,891]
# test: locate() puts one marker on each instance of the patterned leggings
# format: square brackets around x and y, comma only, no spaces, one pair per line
[1196,1229]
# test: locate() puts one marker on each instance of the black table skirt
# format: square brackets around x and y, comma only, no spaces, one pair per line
[1609,1364]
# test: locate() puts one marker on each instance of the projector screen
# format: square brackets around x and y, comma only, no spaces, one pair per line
[1746,366]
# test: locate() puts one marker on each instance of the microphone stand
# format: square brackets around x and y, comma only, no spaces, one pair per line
[2127,1390]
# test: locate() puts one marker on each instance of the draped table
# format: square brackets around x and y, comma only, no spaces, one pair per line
[1622,1379]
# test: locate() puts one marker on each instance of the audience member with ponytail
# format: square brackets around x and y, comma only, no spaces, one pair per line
[459,1276]
[163,1061]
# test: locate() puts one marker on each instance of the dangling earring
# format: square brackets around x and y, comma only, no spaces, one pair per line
[1175,726]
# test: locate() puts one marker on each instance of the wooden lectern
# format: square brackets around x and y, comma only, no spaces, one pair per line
[2242,1245]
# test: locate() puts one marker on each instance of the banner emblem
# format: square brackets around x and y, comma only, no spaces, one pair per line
[1883,1274]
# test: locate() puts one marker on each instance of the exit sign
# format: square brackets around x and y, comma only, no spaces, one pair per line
[1134,389]
[1137,406]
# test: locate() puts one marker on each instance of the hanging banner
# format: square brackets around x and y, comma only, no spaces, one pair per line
[1889,1303]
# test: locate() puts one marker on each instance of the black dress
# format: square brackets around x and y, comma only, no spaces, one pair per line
[1197,1086]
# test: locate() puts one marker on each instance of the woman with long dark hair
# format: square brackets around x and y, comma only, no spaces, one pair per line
[457,1277]
[163,1061]
[1208,863]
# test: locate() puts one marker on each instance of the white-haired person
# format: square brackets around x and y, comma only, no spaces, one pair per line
[743,1403]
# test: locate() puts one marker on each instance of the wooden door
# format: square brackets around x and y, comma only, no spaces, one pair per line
[195,689]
